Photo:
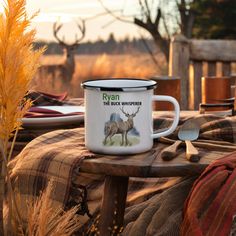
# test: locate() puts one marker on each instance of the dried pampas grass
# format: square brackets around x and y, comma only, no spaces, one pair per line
[18,64]
[46,220]
[43,219]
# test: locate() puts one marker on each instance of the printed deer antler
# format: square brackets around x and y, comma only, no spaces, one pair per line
[122,109]
[134,114]
[127,114]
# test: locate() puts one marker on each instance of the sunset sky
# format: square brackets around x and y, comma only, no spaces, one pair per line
[68,11]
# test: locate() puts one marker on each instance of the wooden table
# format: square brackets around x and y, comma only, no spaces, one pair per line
[118,169]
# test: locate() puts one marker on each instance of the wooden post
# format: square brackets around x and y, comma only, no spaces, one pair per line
[195,86]
[226,68]
[211,68]
[179,66]
[113,205]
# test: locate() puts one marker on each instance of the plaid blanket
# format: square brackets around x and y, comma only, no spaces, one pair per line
[58,155]
[208,204]
[48,157]
[159,215]
[211,205]
[212,127]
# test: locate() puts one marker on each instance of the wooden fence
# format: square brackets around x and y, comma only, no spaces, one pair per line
[192,59]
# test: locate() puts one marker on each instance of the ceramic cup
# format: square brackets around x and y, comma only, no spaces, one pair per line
[118,115]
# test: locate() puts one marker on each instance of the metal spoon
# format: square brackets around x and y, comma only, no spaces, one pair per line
[189,132]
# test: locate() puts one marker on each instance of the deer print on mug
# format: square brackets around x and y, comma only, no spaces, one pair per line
[120,132]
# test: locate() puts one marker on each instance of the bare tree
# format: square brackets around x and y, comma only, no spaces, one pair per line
[154,19]
[187,16]
[66,68]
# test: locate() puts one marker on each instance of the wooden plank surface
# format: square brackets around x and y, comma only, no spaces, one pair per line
[211,68]
[179,166]
[226,69]
[126,165]
[213,50]
[150,164]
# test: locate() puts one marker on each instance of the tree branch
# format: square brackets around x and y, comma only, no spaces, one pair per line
[166,28]
[158,17]
[108,23]
[142,7]
[100,14]
[112,13]
[148,9]
[187,17]
[189,26]
[140,23]
[147,23]
[150,51]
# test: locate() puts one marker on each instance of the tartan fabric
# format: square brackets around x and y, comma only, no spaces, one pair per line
[160,215]
[51,156]
[58,155]
[45,99]
[211,127]
[211,204]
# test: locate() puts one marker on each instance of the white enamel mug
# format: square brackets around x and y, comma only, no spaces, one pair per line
[118,115]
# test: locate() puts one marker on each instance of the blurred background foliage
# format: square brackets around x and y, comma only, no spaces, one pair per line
[214,19]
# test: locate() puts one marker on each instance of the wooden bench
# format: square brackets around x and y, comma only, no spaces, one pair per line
[192,59]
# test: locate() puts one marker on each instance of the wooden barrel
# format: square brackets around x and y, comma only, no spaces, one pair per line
[166,85]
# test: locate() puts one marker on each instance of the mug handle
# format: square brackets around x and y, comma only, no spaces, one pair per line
[176,118]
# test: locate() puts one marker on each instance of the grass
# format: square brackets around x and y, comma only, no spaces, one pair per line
[44,217]
[99,66]
[103,66]
[116,141]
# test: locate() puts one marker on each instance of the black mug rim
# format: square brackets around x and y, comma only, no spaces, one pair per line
[150,84]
